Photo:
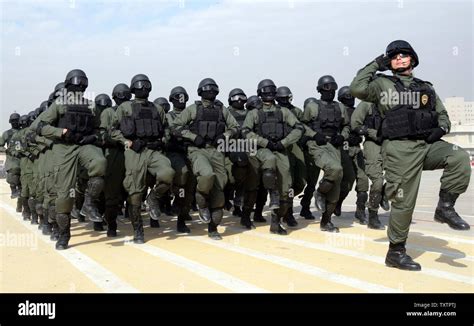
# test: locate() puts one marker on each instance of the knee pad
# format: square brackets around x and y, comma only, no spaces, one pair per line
[269,179]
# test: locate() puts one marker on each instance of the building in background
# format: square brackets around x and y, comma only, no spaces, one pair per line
[461,114]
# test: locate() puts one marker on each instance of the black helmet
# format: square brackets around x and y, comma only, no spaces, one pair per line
[309,100]
[284,95]
[177,92]
[327,83]
[44,105]
[400,46]
[32,115]
[163,102]
[14,117]
[59,87]
[254,102]
[344,92]
[103,100]
[140,81]
[76,80]
[38,111]
[237,94]
[121,92]
[208,85]
[25,121]
[266,89]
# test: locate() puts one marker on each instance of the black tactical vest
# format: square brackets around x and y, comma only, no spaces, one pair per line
[329,119]
[78,119]
[271,125]
[145,123]
[407,121]
[240,118]
[373,120]
[209,122]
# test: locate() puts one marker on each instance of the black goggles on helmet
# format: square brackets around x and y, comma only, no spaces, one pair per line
[328,87]
[268,89]
[347,96]
[79,81]
[238,97]
[123,95]
[142,84]
[103,102]
[209,88]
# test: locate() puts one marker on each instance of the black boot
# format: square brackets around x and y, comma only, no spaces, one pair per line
[360,208]
[54,226]
[237,211]
[110,215]
[320,194]
[204,212]
[289,218]
[46,230]
[445,212]
[155,224]
[374,222]
[26,209]
[64,230]
[275,226]
[338,209]
[154,206]
[137,223]
[40,213]
[274,199]
[245,220]
[258,218]
[384,203]
[259,204]
[181,226]
[32,207]
[326,224]
[19,205]
[90,207]
[397,257]
[13,192]
[165,204]
[98,226]
[212,231]
[306,213]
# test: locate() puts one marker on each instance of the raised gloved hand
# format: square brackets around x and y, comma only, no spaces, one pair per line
[384,62]
[354,140]
[435,135]
[199,141]
[337,140]
[137,145]
[86,140]
[320,139]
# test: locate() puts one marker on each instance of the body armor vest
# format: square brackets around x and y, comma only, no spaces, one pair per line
[78,119]
[209,122]
[144,123]
[271,125]
[406,120]
[373,120]
[329,119]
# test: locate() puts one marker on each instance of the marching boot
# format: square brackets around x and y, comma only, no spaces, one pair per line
[204,212]
[326,224]
[212,231]
[397,257]
[54,226]
[137,223]
[181,226]
[64,231]
[110,215]
[289,218]
[306,213]
[90,207]
[26,209]
[445,212]
[275,226]
[384,202]
[245,220]
[360,208]
[32,207]
[47,227]
[19,205]
[374,222]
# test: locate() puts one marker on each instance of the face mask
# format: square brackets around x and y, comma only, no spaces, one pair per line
[239,105]
[209,95]
[142,93]
[15,124]
[328,96]
[349,102]
[76,88]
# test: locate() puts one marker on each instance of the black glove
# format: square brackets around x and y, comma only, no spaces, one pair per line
[320,139]
[31,138]
[86,140]
[337,140]
[435,135]
[271,146]
[137,145]
[279,147]
[354,140]
[302,141]
[384,62]
[199,141]
[362,131]
[31,156]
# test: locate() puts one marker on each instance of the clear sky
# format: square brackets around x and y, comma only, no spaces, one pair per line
[237,43]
